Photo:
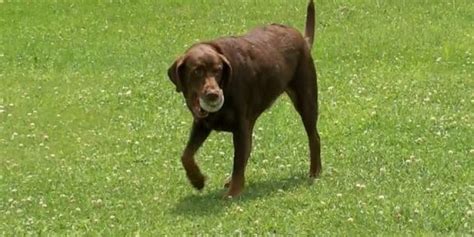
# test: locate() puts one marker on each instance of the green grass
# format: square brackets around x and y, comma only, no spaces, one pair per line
[91,129]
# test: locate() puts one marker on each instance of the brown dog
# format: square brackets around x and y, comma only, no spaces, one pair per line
[230,81]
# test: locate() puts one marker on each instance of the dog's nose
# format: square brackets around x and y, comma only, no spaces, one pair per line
[212,96]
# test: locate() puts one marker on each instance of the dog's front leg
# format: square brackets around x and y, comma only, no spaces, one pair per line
[198,135]
[242,138]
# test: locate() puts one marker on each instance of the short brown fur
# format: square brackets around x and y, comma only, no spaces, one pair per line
[250,72]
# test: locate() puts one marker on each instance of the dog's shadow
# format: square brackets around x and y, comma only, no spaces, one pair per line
[213,201]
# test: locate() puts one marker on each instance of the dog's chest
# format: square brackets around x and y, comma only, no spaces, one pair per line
[223,120]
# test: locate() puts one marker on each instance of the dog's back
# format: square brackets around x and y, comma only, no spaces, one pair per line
[265,61]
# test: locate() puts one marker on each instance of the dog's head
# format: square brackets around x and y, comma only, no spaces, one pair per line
[201,74]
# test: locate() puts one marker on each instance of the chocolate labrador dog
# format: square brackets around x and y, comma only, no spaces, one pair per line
[228,82]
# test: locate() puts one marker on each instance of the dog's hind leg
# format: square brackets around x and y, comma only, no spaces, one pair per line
[303,93]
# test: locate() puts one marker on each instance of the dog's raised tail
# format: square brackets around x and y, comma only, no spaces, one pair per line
[310,24]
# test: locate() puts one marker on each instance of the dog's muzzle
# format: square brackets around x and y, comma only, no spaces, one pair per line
[212,105]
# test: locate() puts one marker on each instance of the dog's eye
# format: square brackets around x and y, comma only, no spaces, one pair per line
[198,72]
[218,70]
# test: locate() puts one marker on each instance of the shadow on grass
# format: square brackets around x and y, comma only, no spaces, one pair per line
[212,202]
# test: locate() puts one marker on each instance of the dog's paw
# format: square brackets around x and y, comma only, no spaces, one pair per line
[235,189]
[314,174]
[311,180]
[198,181]
[227,182]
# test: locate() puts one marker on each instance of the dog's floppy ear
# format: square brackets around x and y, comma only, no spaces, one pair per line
[227,71]
[175,73]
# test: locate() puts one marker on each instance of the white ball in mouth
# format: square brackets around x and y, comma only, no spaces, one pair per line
[212,107]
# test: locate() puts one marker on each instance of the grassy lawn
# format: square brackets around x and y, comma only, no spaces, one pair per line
[91,129]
